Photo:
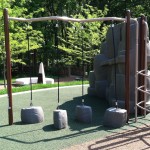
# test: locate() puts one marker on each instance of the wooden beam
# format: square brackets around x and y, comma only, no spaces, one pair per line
[64,18]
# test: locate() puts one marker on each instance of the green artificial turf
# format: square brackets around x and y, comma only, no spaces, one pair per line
[44,136]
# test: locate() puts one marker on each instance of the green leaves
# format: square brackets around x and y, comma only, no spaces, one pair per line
[86,36]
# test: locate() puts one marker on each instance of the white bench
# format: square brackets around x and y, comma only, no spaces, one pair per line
[26,81]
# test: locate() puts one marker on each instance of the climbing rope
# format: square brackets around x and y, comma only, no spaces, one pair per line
[30,58]
[57,55]
[82,65]
[115,69]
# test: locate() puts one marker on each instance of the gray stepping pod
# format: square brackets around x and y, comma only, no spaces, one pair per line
[115,117]
[31,115]
[60,118]
[83,113]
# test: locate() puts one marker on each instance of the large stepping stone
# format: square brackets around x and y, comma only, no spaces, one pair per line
[31,115]
[83,113]
[60,118]
[115,117]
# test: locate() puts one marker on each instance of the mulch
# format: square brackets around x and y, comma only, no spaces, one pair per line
[66,79]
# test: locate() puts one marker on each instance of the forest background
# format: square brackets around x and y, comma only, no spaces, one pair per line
[72,37]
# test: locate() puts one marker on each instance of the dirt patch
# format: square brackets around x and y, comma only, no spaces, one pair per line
[137,139]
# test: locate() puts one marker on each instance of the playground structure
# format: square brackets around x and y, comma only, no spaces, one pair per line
[127,22]
[102,79]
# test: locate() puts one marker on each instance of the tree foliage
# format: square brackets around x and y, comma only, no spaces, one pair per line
[72,38]
[83,36]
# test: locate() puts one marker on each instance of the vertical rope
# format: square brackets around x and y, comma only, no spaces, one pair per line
[82,66]
[115,70]
[29,56]
[57,55]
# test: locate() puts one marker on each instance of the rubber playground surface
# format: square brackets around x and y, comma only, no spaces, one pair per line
[44,136]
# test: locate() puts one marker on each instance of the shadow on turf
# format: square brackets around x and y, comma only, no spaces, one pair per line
[76,134]
[114,140]
[45,128]
[4,125]
[49,128]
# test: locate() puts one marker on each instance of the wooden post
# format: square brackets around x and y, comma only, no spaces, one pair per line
[8,66]
[127,66]
[141,65]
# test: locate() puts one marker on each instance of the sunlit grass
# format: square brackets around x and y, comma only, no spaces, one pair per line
[41,86]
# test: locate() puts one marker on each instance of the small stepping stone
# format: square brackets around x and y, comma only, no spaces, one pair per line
[60,118]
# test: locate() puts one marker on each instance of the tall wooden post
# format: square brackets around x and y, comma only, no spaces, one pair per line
[141,65]
[127,66]
[8,66]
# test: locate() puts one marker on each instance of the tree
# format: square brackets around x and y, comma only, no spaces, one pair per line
[3,4]
[70,34]
[18,34]
[86,36]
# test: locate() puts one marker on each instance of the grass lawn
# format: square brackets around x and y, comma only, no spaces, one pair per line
[22,88]
[44,136]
